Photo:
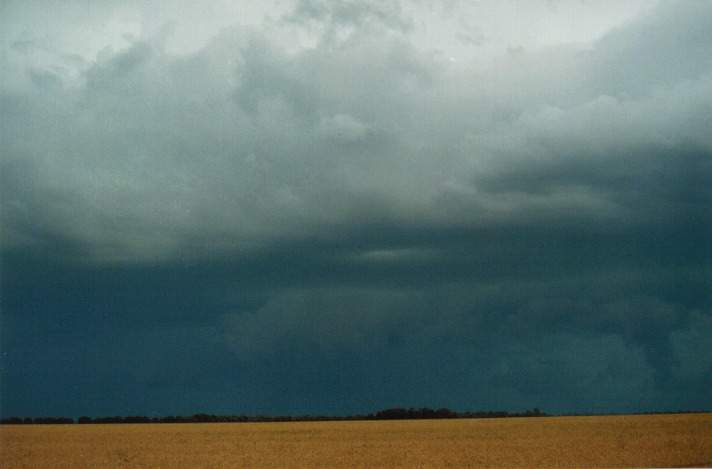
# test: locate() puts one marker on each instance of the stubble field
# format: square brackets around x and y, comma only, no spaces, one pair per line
[611,441]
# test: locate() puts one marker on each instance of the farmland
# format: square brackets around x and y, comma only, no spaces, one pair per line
[643,440]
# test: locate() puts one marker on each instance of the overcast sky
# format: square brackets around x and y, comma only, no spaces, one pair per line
[336,207]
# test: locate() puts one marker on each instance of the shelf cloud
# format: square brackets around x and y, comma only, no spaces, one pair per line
[319,211]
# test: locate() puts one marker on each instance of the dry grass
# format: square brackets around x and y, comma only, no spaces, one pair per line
[630,441]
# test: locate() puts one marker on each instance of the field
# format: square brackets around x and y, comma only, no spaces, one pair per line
[648,441]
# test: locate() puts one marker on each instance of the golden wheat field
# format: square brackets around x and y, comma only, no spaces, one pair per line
[611,441]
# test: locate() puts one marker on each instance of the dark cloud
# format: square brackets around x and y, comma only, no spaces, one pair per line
[359,224]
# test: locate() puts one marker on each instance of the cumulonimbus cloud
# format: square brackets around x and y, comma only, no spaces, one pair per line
[431,222]
[241,143]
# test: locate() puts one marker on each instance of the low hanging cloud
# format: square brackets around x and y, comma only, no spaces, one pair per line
[536,228]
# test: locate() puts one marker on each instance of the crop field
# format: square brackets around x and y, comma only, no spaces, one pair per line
[680,440]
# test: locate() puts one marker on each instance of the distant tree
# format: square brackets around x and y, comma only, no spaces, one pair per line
[12,421]
[444,413]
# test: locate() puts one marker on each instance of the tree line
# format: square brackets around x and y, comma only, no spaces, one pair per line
[397,413]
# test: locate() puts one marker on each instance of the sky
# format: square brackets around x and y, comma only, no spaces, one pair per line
[336,207]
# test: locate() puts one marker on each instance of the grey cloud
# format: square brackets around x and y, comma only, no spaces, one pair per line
[117,68]
[349,13]
[326,319]
[142,131]
[23,46]
[554,345]
[661,49]
[343,127]
[595,378]
[692,347]
[474,38]
[255,145]
[363,204]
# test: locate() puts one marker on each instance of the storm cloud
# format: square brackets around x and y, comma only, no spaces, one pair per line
[354,218]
